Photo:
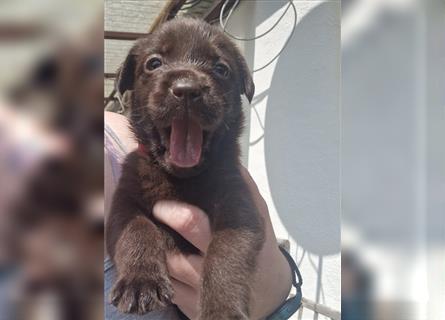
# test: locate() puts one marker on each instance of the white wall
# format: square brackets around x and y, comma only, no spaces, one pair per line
[292,140]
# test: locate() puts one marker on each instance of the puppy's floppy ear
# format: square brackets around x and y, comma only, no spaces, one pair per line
[246,77]
[126,74]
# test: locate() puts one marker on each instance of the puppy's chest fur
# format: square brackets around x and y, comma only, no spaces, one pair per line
[207,191]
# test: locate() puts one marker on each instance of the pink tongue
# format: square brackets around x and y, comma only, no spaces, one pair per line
[185,143]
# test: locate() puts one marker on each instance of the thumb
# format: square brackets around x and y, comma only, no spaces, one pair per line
[189,221]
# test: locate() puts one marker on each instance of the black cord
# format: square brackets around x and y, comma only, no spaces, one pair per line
[190,4]
[224,23]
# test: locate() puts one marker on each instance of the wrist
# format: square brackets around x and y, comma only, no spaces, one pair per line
[286,277]
[293,303]
[274,284]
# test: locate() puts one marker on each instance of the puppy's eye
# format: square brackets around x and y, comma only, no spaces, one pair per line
[221,69]
[153,63]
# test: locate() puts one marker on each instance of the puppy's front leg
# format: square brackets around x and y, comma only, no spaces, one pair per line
[138,252]
[230,264]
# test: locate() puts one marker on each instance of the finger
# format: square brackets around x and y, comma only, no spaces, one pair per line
[189,221]
[186,269]
[186,298]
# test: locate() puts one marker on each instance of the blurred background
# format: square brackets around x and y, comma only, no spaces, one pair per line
[51,159]
[393,159]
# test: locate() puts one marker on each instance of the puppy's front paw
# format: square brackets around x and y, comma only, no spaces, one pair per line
[139,294]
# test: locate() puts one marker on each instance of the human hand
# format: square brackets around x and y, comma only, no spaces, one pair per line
[272,280]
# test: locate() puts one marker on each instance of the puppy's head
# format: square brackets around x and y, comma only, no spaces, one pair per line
[185,81]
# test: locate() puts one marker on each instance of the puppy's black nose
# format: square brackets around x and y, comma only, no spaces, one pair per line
[186,90]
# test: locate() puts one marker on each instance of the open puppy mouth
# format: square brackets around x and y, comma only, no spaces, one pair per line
[184,141]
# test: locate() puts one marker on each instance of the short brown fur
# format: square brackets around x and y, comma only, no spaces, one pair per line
[137,243]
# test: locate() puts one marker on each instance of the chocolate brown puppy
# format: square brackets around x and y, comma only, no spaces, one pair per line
[185,83]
